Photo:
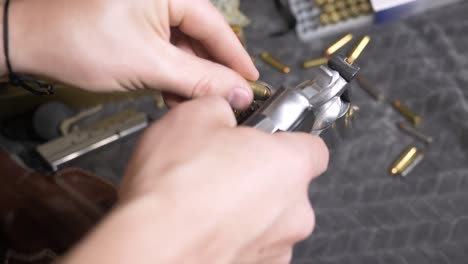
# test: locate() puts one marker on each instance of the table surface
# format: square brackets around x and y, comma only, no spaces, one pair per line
[364,215]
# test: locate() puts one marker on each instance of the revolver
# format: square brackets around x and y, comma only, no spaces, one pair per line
[312,106]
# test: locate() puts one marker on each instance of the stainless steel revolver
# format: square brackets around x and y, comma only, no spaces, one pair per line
[312,106]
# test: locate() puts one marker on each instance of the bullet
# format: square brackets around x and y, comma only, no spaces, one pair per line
[406,112]
[344,14]
[358,49]
[338,45]
[314,63]
[411,130]
[404,161]
[320,2]
[261,90]
[365,8]
[340,5]
[416,160]
[335,17]
[275,63]
[370,89]
[329,8]
[354,10]
[324,19]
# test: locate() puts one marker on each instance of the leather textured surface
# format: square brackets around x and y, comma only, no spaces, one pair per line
[40,214]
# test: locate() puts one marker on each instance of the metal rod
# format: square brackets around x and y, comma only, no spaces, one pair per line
[409,129]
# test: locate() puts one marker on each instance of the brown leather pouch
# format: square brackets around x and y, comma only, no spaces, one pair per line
[42,216]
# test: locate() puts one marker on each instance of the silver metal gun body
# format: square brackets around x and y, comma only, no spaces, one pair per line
[312,106]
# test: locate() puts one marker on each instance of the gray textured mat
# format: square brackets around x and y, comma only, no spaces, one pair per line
[363,214]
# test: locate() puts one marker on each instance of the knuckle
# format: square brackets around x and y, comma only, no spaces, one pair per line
[203,86]
[307,153]
[308,225]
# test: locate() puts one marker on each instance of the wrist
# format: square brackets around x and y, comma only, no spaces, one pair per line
[163,232]
[185,237]
[24,37]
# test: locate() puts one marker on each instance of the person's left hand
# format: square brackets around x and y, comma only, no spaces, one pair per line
[185,48]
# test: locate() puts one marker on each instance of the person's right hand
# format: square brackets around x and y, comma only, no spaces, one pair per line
[207,191]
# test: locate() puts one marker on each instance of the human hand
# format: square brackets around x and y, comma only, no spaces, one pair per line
[181,47]
[238,193]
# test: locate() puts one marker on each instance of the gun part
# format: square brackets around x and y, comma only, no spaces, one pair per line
[404,161]
[312,106]
[314,63]
[370,89]
[358,49]
[67,124]
[338,45]
[415,132]
[275,63]
[261,90]
[406,112]
[64,149]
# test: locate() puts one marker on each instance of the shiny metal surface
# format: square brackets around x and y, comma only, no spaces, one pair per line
[312,106]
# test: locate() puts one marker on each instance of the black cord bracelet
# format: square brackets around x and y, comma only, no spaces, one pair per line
[21,80]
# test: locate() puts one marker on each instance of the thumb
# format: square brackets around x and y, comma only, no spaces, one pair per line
[189,76]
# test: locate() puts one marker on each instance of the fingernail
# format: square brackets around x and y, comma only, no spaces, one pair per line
[239,98]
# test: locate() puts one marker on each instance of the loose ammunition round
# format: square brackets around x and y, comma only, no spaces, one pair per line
[369,88]
[358,50]
[406,112]
[314,63]
[416,160]
[261,90]
[405,159]
[338,45]
[275,63]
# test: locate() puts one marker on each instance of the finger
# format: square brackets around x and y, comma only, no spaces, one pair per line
[205,112]
[307,154]
[190,76]
[181,41]
[201,20]
[295,224]
[171,100]
[200,50]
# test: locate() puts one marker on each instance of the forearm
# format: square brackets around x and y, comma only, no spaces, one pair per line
[144,232]
[27,34]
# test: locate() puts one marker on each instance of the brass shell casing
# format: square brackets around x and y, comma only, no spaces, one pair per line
[315,62]
[260,90]
[338,45]
[406,112]
[404,161]
[356,52]
[275,63]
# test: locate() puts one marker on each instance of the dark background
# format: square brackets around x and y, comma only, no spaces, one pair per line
[364,215]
